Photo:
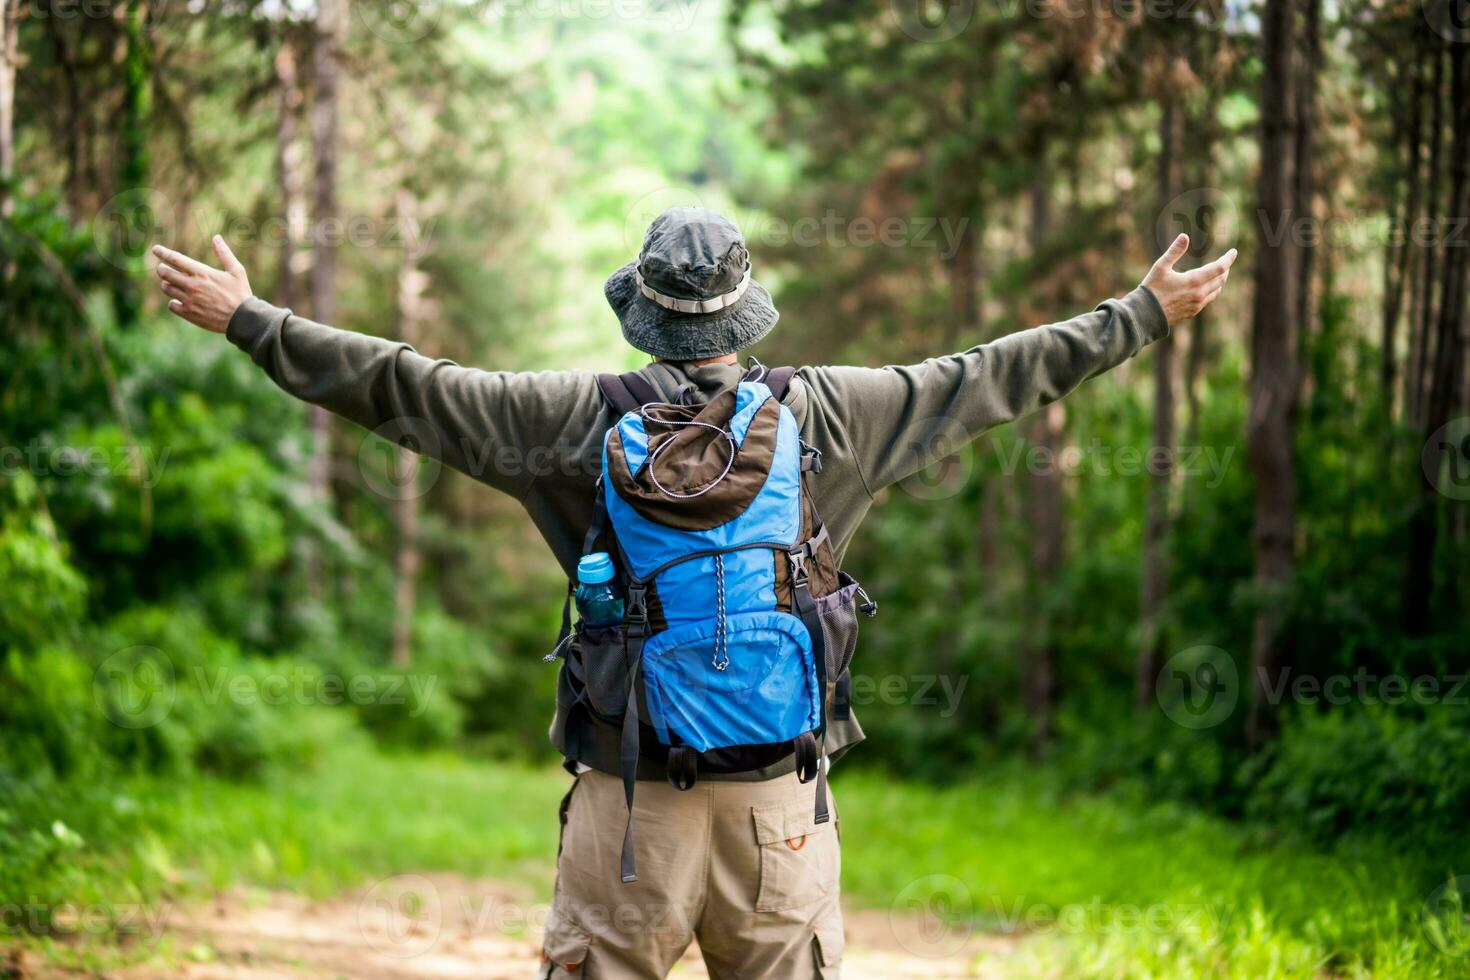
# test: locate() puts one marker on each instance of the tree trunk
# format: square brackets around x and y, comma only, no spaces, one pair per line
[289,162]
[10,13]
[412,282]
[326,46]
[1415,381]
[1396,260]
[1039,671]
[1449,359]
[1154,591]
[132,157]
[1304,205]
[1273,380]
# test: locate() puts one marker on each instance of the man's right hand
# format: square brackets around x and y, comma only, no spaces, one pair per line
[1184,294]
[205,297]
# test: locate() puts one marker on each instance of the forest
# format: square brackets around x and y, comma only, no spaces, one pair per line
[1170,677]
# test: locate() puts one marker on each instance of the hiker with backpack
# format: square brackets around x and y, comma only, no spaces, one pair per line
[701,510]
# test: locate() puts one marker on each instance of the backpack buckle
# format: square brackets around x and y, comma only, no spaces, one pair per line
[798,565]
[637,616]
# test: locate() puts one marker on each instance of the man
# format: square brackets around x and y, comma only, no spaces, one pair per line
[738,862]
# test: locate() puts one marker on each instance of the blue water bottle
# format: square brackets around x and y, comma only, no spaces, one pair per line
[597,598]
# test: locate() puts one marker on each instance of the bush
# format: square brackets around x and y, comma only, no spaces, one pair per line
[1381,771]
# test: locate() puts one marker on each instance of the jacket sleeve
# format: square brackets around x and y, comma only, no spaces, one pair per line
[900,419]
[502,428]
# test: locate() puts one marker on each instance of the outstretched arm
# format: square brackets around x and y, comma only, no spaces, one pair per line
[900,419]
[500,427]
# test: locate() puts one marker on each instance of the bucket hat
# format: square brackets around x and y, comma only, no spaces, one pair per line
[690,294]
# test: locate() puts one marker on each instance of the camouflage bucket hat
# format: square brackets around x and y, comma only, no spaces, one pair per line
[690,295]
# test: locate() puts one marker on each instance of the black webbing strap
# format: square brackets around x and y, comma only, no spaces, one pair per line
[629,869]
[806,607]
[805,747]
[778,379]
[810,764]
[842,697]
[683,766]
[616,394]
[626,392]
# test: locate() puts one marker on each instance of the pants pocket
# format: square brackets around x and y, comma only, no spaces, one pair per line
[828,945]
[801,861]
[564,949]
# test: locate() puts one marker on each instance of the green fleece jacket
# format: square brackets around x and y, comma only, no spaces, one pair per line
[538,435]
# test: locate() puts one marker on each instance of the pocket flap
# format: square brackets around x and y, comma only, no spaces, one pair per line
[786,821]
[830,943]
[565,945]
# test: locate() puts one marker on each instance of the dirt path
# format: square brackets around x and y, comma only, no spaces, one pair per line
[416,927]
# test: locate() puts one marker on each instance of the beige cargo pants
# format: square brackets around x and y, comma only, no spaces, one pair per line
[742,866]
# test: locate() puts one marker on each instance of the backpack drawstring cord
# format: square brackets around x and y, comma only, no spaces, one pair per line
[722,656]
[653,457]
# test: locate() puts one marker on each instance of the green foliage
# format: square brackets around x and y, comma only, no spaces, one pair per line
[1369,769]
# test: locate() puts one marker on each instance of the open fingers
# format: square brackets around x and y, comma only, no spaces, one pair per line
[168,273]
[1211,274]
[226,256]
[180,261]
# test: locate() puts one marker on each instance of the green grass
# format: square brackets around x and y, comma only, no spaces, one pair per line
[1099,888]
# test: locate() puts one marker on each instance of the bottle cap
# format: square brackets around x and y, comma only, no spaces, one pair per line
[595,568]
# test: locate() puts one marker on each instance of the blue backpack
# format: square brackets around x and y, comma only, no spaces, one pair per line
[739,628]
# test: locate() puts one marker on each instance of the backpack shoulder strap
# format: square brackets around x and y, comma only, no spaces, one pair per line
[776,379]
[626,392]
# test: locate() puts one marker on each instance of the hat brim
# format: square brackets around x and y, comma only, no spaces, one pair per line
[688,336]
